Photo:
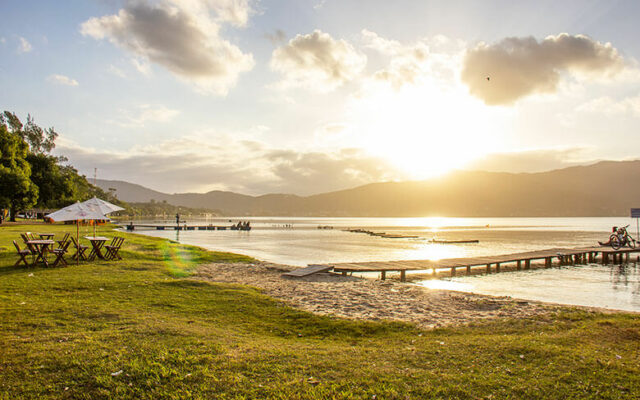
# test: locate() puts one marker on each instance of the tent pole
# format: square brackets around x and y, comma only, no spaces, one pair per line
[78,242]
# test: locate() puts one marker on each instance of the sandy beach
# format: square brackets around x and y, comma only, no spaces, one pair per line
[368,299]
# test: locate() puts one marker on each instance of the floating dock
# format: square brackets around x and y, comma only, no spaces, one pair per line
[488,264]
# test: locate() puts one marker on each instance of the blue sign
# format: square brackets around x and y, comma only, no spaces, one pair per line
[635,213]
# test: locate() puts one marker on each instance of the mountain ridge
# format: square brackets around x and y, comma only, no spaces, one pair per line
[605,188]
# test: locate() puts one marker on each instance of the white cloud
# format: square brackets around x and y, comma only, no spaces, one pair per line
[116,71]
[182,36]
[62,80]
[220,162]
[318,62]
[319,4]
[144,114]
[24,46]
[434,58]
[141,66]
[514,68]
[613,108]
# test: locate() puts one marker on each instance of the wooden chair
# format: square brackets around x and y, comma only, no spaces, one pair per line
[113,248]
[64,240]
[60,252]
[25,239]
[80,249]
[22,254]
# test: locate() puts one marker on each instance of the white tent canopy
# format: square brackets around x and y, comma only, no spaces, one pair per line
[77,212]
[101,206]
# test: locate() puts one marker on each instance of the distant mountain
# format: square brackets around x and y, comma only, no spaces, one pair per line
[607,188]
[130,192]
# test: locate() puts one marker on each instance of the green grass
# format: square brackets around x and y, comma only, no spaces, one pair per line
[68,332]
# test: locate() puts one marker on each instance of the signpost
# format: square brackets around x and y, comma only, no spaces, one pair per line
[635,213]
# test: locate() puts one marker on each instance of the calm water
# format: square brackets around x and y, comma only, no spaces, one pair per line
[298,241]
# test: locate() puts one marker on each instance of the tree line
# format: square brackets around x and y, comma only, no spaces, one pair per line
[30,176]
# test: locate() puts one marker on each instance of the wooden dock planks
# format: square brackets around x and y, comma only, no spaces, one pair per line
[309,270]
[578,255]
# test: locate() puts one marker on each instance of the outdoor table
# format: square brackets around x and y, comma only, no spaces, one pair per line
[46,235]
[97,242]
[41,247]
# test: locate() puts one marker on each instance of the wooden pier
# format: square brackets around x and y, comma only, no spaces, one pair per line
[490,264]
[181,227]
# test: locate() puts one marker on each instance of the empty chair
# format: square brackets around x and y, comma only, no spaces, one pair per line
[25,239]
[60,252]
[113,248]
[80,249]
[22,254]
[64,240]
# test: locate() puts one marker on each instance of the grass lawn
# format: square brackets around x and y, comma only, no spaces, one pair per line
[141,328]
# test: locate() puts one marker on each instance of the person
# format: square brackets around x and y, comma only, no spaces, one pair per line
[177,219]
[608,242]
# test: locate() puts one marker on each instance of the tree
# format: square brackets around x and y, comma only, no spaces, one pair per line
[30,169]
[17,191]
[40,140]
[55,183]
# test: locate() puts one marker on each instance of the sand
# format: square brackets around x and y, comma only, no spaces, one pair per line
[368,299]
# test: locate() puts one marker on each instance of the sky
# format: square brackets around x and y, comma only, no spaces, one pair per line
[310,96]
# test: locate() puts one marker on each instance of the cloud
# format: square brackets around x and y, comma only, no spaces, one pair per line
[533,160]
[318,62]
[613,108]
[116,71]
[141,66]
[144,114]
[518,67]
[428,58]
[182,36]
[203,163]
[24,46]
[62,80]
[319,4]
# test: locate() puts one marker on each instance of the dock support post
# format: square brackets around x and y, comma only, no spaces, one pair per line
[468,269]
[590,257]
[519,265]
[527,264]
[403,276]
[626,257]
[344,273]
[453,271]
[605,258]
[497,267]
[383,275]
[488,268]
[547,262]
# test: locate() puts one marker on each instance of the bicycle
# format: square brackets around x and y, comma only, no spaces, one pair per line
[622,238]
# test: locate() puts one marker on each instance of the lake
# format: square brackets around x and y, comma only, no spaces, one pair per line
[302,241]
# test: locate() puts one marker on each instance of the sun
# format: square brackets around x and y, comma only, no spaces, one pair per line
[426,130]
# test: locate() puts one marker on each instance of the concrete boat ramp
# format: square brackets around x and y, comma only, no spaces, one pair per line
[488,264]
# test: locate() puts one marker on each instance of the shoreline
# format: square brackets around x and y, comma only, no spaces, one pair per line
[374,300]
